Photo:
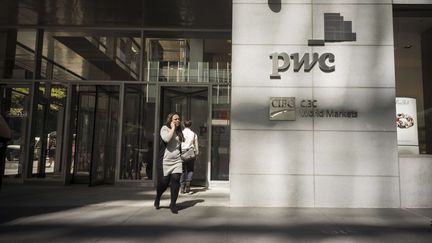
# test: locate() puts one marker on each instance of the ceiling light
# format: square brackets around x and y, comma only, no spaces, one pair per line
[407,46]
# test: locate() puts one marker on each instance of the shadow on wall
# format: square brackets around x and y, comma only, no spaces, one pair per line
[275,5]
[251,112]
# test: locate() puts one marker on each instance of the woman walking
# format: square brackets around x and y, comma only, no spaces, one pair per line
[170,163]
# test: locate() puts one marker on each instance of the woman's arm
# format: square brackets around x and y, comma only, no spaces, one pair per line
[167,133]
[196,144]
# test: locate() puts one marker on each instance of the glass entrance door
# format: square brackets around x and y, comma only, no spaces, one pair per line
[94,146]
[192,104]
[14,107]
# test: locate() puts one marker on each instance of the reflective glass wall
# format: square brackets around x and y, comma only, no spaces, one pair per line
[82,103]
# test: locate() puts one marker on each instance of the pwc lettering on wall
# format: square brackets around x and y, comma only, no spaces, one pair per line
[335,30]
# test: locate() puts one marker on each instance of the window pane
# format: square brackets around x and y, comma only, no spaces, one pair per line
[17,54]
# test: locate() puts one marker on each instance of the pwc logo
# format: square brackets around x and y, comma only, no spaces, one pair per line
[335,30]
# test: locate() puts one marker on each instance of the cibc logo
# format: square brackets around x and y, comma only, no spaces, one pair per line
[282,109]
[335,30]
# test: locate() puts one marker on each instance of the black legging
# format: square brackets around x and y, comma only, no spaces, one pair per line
[171,180]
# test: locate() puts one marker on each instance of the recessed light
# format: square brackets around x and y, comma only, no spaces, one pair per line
[407,46]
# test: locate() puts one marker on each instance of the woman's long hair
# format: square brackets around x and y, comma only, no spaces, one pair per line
[178,129]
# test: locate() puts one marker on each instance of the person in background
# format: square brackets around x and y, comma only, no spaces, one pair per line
[169,162]
[190,142]
[5,136]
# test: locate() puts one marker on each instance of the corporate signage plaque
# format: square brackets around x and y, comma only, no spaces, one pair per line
[282,109]
[286,109]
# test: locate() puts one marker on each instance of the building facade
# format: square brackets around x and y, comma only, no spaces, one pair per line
[293,101]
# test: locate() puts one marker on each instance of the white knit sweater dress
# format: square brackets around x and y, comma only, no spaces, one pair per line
[172,162]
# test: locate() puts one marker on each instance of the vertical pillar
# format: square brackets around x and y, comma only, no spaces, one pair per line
[426,47]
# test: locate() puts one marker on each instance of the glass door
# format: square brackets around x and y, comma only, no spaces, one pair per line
[198,114]
[94,145]
[105,135]
[47,130]
[192,104]
[82,145]
[14,107]
[136,160]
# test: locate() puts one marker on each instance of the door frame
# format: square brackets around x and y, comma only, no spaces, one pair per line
[158,107]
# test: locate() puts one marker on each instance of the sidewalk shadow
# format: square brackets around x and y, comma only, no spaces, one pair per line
[196,190]
[189,203]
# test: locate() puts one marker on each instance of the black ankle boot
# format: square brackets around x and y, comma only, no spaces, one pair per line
[173,209]
[156,203]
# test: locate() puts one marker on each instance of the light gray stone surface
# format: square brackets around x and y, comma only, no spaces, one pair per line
[355,153]
[257,24]
[375,107]
[357,192]
[272,152]
[271,190]
[357,66]
[416,181]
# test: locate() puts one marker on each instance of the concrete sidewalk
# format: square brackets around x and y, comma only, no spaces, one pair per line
[123,214]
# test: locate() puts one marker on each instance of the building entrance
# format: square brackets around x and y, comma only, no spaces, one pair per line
[192,104]
[94,134]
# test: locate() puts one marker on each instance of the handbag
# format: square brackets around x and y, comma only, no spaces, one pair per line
[188,155]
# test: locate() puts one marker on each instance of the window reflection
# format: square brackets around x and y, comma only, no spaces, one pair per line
[92,55]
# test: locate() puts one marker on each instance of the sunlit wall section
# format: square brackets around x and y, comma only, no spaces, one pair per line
[331,65]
